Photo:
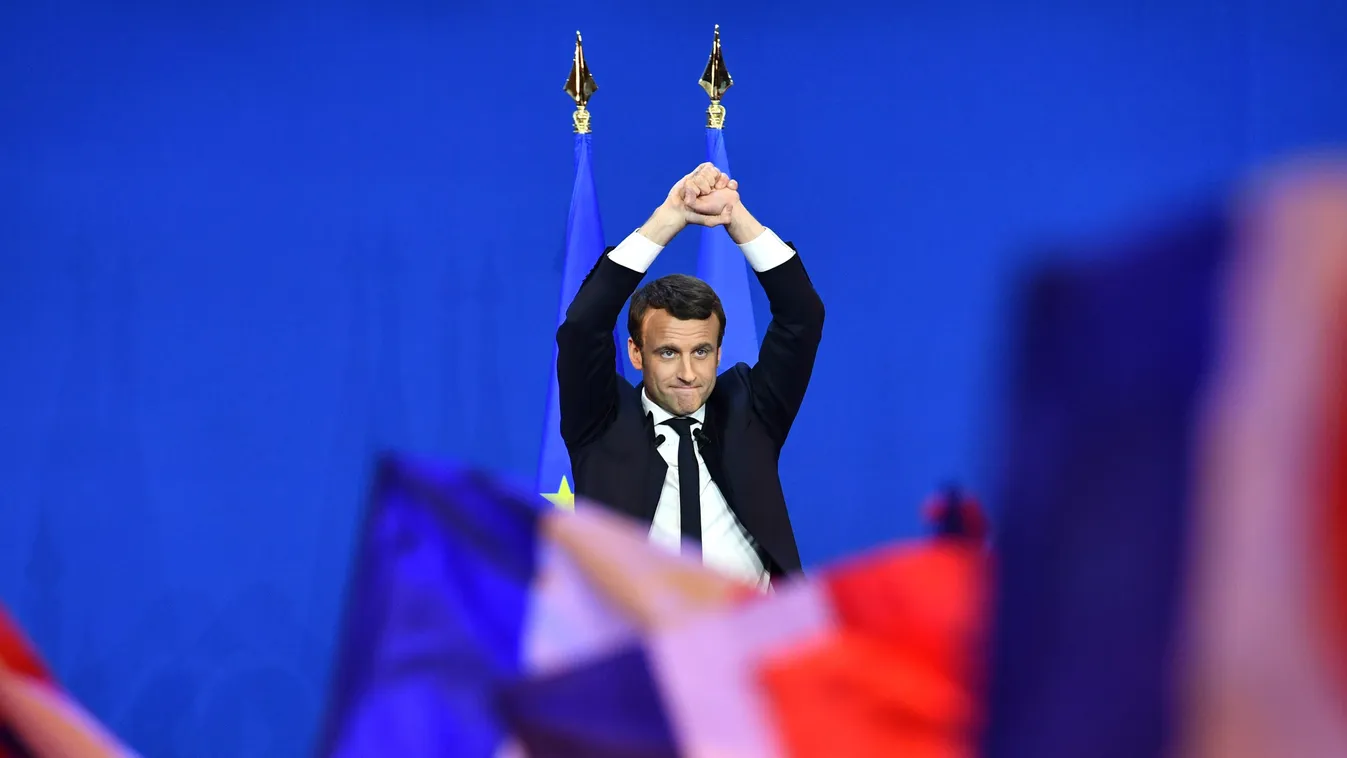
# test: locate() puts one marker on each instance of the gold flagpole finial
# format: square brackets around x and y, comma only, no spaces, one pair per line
[580,86]
[716,81]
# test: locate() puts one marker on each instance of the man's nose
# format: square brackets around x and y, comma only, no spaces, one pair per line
[685,372]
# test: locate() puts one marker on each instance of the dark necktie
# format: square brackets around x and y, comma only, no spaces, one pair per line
[689,484]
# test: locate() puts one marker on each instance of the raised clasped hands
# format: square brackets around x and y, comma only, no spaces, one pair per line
[705,197]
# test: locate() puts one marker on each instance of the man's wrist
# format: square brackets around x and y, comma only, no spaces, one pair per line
[663,225]
[743,227]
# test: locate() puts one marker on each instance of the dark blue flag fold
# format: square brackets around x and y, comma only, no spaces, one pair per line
[436,614]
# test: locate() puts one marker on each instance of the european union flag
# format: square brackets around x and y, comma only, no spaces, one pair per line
[584,245]
[721,265]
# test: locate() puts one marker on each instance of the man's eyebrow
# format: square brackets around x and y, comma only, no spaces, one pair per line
[707,346]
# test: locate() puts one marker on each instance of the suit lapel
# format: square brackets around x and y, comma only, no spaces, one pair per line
[712,450]
[713,453]
[655,469]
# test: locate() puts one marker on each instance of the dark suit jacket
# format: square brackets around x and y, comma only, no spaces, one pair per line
[611,439]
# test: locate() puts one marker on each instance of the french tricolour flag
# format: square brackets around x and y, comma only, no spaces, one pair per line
[481,622]
[37,719]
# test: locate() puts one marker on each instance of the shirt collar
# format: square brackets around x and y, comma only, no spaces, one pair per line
[660,415]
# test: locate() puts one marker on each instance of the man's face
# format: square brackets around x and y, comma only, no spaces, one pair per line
[678,361]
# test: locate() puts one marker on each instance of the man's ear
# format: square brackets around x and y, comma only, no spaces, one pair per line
[634,354]
[717,356]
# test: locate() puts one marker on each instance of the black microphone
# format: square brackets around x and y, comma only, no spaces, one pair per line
[703,441]
[659,440]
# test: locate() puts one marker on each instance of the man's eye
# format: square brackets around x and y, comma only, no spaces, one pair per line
[666,353]
[701,352]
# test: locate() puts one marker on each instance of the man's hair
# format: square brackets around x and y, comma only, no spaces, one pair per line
[686,298]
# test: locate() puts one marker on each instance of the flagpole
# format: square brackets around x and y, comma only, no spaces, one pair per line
[580,85]
[584,244]
[716,81]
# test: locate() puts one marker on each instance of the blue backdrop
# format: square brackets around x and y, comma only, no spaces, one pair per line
[244,245]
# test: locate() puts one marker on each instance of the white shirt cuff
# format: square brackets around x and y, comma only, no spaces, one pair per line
[766,251]
[636,253]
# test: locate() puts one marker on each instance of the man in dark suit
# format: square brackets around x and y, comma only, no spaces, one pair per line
[689,452]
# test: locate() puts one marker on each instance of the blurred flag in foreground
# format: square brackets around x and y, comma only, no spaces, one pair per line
[481,622]
[876,656]
[462,585]
[37,719]
[1263,664]
[1171,545]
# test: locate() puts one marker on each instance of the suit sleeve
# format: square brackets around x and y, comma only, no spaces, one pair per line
[786,358]
[587,378]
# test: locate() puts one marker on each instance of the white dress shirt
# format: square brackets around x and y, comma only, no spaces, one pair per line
[765,252]
[726,546]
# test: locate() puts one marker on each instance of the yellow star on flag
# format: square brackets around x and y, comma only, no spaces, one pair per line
[563,498]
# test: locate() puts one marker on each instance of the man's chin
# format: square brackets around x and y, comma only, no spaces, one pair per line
[683,403]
